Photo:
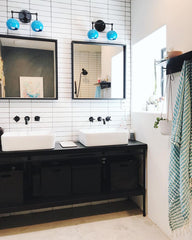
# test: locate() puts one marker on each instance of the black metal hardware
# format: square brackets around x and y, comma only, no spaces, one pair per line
[175,64]
[100,25]
[24,15]
[99,119]
[108,118]
[37,118]
[16,118]
[91,119]
[27,118]
[103,160]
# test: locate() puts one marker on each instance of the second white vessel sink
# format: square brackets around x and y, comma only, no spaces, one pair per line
[32,140]
[103,136]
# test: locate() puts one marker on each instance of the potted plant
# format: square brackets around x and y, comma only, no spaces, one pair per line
[164,124]
[157,121]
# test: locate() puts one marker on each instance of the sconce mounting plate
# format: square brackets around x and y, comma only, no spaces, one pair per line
[100,25]
[25,16]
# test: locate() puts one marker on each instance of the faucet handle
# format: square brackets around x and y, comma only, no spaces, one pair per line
[16,118]
[37,118]
[108,118]
[99,119]
[91,119]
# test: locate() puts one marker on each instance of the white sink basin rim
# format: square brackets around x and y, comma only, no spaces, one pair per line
[32,140]
[102,137]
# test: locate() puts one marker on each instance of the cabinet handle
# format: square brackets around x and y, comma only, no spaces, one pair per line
[103,160]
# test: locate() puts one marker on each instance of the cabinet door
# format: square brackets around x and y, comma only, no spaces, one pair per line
[11,187]
[51,175]
[56,181]
[86,178]
[124,174]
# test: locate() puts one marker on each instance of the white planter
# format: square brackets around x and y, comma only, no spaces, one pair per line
[165,127]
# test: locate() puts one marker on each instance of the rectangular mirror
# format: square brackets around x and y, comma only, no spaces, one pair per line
[28,68]
[98,70]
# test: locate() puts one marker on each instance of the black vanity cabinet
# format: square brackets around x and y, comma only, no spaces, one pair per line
[48,178]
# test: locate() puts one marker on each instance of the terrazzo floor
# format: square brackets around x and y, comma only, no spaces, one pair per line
[124,225]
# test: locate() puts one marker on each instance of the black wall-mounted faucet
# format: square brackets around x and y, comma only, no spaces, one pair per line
[99,119]
[27,118]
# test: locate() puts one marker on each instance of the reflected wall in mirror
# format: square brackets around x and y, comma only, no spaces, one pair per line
[98,70]
[28,68]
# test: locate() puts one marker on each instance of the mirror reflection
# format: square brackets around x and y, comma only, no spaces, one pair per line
[27,68]
[98,70]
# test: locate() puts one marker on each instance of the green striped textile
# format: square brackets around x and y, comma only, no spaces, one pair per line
[180,167]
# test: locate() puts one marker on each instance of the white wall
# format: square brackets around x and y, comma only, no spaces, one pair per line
[67,20]
[148,16]
[156,167]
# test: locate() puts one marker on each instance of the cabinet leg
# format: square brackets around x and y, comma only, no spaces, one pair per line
[144,210]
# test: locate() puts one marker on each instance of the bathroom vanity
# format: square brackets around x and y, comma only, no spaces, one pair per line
[61,176]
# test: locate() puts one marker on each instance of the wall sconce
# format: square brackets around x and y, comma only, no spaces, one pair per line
[100,27]
[25,17]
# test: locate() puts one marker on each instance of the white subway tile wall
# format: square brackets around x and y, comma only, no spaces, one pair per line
[68,20]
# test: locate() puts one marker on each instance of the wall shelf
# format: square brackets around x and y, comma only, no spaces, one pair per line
[175,64]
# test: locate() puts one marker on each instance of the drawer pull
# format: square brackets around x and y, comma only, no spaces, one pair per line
[103,160]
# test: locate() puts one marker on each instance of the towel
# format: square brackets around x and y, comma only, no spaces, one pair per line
[98,92]
[180,167]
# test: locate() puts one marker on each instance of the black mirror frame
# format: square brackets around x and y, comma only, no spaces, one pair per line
[56,66]
[98,43]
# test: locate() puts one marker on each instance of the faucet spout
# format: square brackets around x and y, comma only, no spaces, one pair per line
[103,121]
[27,118]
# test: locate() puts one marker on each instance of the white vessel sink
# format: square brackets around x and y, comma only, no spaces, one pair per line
[104,136]
[33,140]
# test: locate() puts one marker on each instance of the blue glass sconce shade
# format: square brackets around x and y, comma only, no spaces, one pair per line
[25,17]
[37,26]
[12,24]
[111,35]
[93,34]
[99,26]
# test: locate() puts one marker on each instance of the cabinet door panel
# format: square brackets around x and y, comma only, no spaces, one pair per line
[124,175]
[86,179]
[11,187]
[56,181]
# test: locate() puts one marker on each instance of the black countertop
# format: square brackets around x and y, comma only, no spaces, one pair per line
[79,149]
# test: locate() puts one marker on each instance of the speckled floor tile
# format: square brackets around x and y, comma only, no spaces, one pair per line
[125,225]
